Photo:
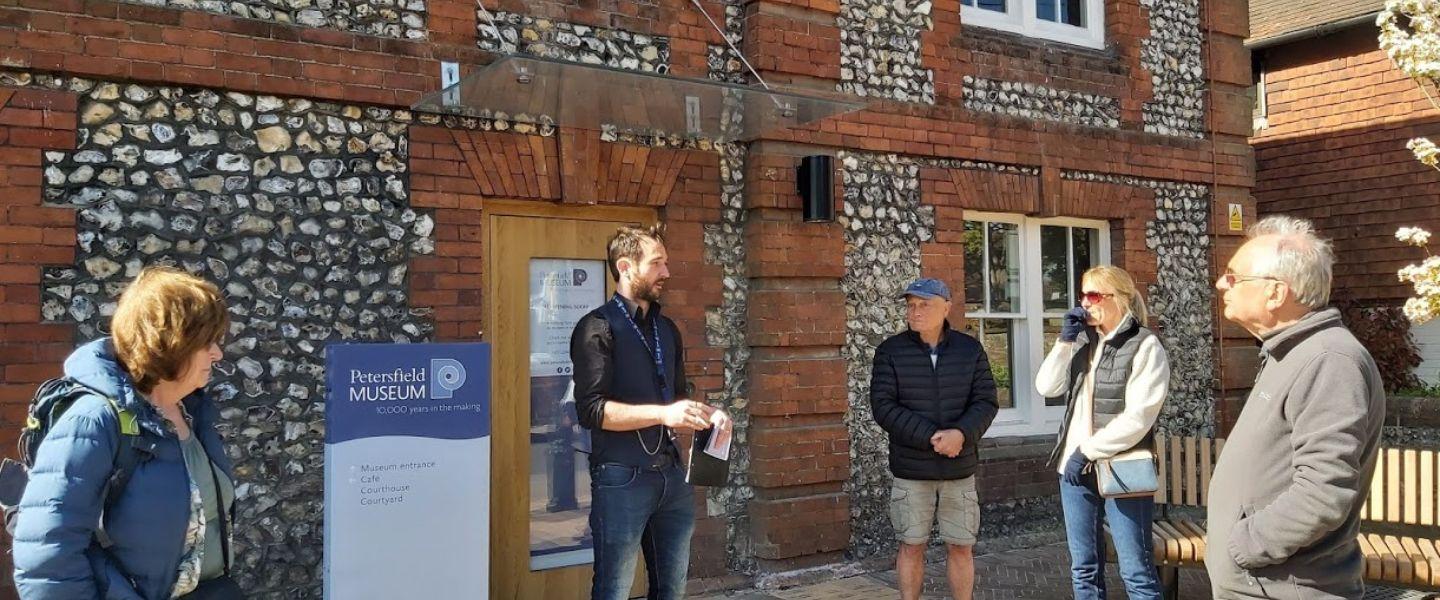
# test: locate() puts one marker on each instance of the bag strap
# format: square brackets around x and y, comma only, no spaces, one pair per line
[128,456]
[224,514]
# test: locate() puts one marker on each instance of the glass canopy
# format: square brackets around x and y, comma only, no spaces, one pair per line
[595,97]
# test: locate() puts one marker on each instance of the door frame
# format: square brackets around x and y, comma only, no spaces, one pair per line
[495,209]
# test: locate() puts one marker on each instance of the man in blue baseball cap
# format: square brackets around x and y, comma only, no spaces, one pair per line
[932,391]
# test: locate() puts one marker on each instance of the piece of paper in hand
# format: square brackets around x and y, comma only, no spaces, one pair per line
[719,446]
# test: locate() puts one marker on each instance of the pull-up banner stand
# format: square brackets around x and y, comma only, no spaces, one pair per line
[407,471]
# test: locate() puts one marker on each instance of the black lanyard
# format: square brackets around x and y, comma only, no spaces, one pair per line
[657,351]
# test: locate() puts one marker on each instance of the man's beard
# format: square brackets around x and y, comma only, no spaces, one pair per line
[649,292]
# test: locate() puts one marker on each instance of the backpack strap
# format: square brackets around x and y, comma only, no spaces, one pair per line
[131,453]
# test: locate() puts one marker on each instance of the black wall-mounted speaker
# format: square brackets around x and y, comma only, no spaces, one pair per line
[816,180]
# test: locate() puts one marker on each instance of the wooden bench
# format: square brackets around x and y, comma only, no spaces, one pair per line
[1401,518]
[1402,542]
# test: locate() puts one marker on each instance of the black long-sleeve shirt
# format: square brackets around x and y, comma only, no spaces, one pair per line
[591,349]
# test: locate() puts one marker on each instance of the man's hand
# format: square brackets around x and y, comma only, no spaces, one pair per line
[686,415]
[720,420]
[948,442]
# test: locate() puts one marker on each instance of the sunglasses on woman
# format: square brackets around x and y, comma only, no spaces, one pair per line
[1094,297]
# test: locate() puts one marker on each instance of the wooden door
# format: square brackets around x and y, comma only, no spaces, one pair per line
[519,237]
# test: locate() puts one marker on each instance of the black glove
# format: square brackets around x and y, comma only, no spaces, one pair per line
[1074,468]
[1073,324]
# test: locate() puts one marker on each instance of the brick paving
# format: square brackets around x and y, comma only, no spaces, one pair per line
[1041,572]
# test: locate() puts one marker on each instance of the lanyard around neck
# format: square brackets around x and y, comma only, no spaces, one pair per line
[657,352]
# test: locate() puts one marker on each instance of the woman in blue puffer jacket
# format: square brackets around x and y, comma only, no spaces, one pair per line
[170,526]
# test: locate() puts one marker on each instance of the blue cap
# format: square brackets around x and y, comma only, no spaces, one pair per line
[926,287]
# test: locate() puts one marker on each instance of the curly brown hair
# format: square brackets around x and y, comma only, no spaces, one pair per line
[629,242]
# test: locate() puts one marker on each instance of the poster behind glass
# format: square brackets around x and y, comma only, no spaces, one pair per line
[561,292]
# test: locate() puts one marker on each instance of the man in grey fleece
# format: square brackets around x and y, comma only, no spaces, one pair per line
[1286,496]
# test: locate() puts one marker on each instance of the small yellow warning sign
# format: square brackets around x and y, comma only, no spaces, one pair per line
[1237,220]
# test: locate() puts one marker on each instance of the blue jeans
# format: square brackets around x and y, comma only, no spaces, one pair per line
[1086,513]
[640,509]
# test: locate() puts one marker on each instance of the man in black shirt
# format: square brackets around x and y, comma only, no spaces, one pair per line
[631,393]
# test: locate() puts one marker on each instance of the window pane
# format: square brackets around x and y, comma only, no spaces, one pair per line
[999,341]
[1054,270]
[1004,268]
[561,292]
[1052,333]
[1069,12]
[974,266]
[995,5]
[1086,251]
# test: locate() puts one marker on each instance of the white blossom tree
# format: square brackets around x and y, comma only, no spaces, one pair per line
[1410,35]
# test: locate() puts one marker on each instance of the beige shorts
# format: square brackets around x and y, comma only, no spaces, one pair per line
[915,505]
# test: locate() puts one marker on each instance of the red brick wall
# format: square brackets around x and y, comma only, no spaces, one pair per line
[800,451]
[453,174]
[31,237]
[1339,116]
[117,40]
[99,38]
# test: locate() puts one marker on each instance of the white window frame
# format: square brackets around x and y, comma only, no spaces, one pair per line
[1021,17]
[1261,108]
[1030,415]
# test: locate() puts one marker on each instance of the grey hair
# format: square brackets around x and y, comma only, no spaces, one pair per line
[1301,259]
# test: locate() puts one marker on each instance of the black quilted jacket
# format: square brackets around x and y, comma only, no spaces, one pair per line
[911,400]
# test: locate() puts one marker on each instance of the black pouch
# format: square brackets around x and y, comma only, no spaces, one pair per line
[219,588]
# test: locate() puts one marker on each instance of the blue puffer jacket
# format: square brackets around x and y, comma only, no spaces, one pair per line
[56,556]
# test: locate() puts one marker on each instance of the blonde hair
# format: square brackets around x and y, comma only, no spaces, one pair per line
[162,319]
[1122,285]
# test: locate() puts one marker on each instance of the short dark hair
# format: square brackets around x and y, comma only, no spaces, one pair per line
[628,242]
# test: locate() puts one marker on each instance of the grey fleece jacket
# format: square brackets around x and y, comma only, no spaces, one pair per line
[1285,500]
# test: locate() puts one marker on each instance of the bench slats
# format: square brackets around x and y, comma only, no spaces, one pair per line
[1417,560]
[1403,488]
[1196,533]
[1207,468]
[1403,491]
[1409,469]
[1427,488]
[1172,544]
[1375,503]
[1372,558]
[1182,541]
[1388,566]
[1432,557]
[1405,566]
[1192,497]
[1392,484]
[1175,468]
